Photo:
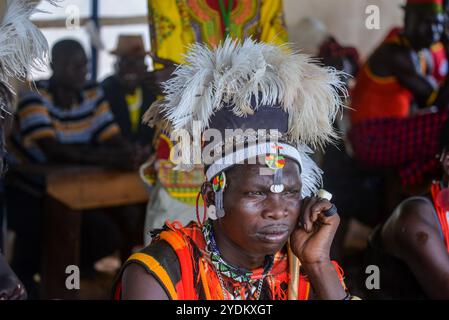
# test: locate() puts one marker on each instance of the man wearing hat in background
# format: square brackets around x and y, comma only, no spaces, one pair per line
[129,91]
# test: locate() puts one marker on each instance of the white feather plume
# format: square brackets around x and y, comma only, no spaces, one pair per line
[235,72]
[311,174]
[23,47]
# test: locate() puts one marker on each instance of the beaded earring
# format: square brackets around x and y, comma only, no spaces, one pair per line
[218,185]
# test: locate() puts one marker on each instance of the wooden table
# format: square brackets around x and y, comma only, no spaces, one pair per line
[69,192]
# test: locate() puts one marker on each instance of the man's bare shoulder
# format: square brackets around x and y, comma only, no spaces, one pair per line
[139,284]
[409,219]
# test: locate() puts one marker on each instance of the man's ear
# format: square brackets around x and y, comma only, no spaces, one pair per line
[208,193]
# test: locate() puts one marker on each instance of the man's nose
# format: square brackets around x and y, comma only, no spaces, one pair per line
[275,207]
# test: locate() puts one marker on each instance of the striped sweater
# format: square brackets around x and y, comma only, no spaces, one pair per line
[37,117]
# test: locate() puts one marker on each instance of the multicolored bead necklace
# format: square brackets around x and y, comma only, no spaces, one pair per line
[223,268]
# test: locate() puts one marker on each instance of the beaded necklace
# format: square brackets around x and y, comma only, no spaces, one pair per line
[235,273]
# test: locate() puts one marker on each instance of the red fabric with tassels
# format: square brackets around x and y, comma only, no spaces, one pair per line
[442,216]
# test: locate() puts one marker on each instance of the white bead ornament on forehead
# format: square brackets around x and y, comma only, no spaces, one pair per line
[277,188]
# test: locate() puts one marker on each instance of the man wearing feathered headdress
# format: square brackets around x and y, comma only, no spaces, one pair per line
[266,235]
[174,26]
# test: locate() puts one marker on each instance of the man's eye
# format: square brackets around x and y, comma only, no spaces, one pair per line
[255,193]
[291,192]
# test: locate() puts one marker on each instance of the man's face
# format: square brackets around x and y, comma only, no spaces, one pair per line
[423,30]
[257,220]
[131,70]
[73,73]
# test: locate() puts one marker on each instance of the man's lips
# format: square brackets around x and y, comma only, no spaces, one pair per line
[273,233]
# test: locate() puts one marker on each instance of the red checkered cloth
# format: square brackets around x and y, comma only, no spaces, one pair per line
[409,145]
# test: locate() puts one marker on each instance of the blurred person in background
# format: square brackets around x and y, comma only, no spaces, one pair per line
[412,246]
[22,51]
[66,122]
[130,92]
[398,105]
[10,286]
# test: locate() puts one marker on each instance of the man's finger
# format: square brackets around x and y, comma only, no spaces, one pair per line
[315,213]
[321,205]
[307,211]
[328,220]
[319,211]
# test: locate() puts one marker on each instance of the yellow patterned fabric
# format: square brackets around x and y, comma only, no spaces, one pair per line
[181,185]
[175,24]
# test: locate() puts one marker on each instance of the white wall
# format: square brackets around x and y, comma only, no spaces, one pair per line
[345,19]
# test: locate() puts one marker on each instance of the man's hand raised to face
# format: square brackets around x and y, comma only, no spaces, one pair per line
[311,242]
[312,239]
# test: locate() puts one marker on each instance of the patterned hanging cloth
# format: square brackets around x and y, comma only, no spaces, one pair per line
[176,24]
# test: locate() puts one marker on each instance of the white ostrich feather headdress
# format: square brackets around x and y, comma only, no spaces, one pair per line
[245,75]
[23,47]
